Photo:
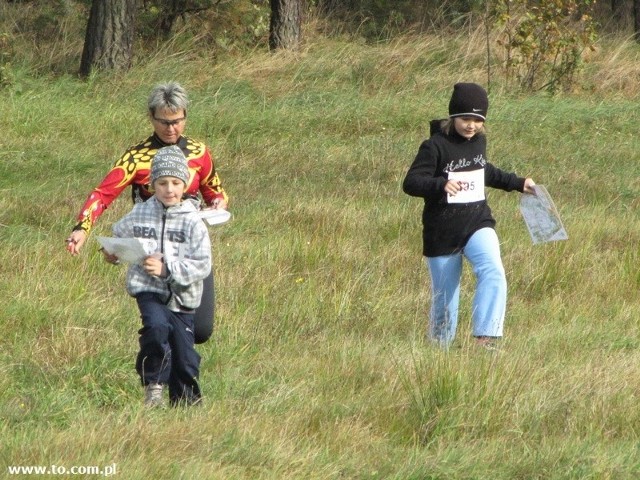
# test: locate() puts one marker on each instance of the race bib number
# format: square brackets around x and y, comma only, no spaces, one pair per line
[472,184]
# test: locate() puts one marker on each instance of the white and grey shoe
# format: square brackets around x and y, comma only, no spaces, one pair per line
[153,395]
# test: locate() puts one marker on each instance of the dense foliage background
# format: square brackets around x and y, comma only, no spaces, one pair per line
[532,44]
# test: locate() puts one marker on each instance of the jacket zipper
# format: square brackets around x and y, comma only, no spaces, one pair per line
[164,222]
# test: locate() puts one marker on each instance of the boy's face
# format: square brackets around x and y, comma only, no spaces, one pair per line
[467,127]
[169,190]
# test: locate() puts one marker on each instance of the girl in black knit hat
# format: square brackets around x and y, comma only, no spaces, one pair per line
[450,172]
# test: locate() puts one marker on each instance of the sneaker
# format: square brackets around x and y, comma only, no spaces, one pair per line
[153,395]
[492,347]
[488,343]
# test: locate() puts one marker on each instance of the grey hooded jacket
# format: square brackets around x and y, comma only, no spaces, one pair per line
[180,235]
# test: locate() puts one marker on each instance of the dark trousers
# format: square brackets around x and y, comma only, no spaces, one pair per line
[167,354]
[204,316]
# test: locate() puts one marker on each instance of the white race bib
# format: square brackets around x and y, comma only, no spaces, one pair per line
[472,184]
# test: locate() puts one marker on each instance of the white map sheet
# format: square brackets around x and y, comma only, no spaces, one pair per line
[215,216]
[541,217]
[128,250]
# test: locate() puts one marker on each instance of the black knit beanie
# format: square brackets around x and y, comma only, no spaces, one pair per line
[468,100]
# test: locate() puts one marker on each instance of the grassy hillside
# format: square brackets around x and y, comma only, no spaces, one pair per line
[319,368]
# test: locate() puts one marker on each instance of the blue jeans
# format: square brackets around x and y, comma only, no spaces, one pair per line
[167,354]
[490,299]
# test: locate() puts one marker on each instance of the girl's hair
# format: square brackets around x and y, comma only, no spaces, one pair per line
[170,96]
[447,127]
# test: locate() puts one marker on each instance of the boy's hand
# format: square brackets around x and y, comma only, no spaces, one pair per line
[153,265]
[110,258]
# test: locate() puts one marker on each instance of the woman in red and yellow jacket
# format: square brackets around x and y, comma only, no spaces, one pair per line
[167,106]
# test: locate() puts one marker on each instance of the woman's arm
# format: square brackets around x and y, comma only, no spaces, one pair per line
[210,185]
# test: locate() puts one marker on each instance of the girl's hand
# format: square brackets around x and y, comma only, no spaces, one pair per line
[75,241]
[528,186]
[452,187]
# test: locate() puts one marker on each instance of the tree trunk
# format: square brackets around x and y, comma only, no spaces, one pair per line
[171,10]
[616,11]
[636,20]
[327,7]
[108,42]
[284,28]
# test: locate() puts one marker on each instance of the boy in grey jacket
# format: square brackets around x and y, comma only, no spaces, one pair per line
[167,284]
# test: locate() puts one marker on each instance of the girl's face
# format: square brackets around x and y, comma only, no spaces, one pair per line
[169,190]
[467,127]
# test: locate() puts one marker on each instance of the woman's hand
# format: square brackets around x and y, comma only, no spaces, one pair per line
[217,203]
[75,241]
[528,186]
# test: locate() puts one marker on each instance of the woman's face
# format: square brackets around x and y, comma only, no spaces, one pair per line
[168,125]
[467,127]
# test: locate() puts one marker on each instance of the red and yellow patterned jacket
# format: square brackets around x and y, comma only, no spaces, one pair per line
[133,169]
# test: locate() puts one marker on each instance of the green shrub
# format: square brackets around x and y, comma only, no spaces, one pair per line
[543,43]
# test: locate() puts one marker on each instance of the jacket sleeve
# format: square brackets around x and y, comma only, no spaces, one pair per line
[115,181]
[196,263]
[420,180]
[122,228]
[496,178]
[210,184]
